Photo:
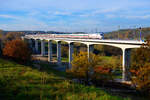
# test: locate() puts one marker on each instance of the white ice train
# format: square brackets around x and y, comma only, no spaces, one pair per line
[80,36]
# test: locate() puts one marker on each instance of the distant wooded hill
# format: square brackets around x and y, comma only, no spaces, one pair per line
[128,34]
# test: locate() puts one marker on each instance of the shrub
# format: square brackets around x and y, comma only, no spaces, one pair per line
[18,50]
[141,68]
[13,35]
[134,72]
[142,79]
[102,75]
[141,56]
[82,67]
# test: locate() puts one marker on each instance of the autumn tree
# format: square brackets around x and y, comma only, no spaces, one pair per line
[142,79]
[1,33]
[82,67]
[1,41]
[13,35]
[141,56]
[141,65]
[17,49]
[148,37]
[102,75]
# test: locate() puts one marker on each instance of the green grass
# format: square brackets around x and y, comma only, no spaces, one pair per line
[112,61]
[19,82]
[49,68]
[65,59]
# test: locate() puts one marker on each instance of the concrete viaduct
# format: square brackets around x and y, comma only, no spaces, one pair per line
[124,45]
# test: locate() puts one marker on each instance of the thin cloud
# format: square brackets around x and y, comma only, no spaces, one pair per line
[8,16]
[111,16]
[62,13]
[137,17]
[102,11]
[107,10]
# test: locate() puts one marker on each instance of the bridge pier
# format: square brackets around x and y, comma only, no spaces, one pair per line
[49,51]
[126,76]
[123,44]
[71,45]
[59,52]
[30,43]
[90,49]
[36,46]
[42,48]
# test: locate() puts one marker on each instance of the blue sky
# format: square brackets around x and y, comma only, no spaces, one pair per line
[73,15]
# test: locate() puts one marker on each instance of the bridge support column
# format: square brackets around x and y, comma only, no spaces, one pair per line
[90,50]
[126,76]
[70,54]
[49,51]
[42,48]
[30,43]
[36,46]
[59,52]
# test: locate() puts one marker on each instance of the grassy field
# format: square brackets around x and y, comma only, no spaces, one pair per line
[19,82]
[105,61]
[112,61]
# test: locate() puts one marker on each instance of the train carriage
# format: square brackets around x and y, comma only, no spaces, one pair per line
[84,36]
[80,36]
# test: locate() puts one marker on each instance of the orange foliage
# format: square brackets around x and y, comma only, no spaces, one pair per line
[102,75]
[102,70]
[17,49]
[142,79]
[134,72]
[141,69]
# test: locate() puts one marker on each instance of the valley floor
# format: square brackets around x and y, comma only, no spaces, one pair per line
[42,82]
